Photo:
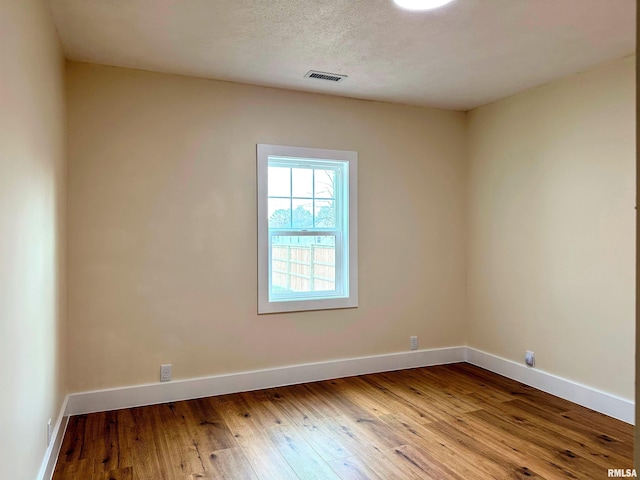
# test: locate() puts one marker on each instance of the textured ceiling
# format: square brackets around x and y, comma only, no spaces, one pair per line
[464,55]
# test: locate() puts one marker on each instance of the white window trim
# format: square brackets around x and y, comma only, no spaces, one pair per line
[265,151]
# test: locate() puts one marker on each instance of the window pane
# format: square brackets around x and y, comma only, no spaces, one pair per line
[279,182]
[303,264]
[302,182]
[325,214]
[302,215]
[279,213]
[324,182]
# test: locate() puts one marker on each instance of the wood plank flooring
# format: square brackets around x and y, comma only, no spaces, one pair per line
[446,422]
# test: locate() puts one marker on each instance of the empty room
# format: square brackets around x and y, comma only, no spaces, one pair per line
[309,239]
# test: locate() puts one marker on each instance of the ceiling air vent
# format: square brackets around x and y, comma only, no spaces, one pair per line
[331,77]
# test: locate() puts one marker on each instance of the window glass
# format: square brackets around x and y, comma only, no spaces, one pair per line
[303,264]
[302,182]
[279,182]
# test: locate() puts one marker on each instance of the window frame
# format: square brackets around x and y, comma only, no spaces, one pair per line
[346,233]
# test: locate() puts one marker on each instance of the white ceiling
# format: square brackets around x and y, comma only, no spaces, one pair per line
[461,56]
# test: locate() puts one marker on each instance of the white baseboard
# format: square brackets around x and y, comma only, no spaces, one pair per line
[135,396]
[592,398]
[139,395]
[51,455]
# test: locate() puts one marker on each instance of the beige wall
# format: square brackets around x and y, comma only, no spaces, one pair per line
[162,226]
[32,156]
[551,227]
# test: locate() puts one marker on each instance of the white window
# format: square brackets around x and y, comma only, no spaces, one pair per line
[307,229]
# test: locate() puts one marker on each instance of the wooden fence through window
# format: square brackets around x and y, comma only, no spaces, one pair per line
[303,268]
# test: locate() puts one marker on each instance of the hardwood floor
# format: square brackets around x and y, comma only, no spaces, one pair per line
[446,422]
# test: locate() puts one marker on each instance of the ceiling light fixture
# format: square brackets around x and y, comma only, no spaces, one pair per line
[421,4]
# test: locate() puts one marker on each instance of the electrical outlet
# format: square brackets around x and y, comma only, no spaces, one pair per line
[414,343]
[530,359]
[165,373]
[49,432]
